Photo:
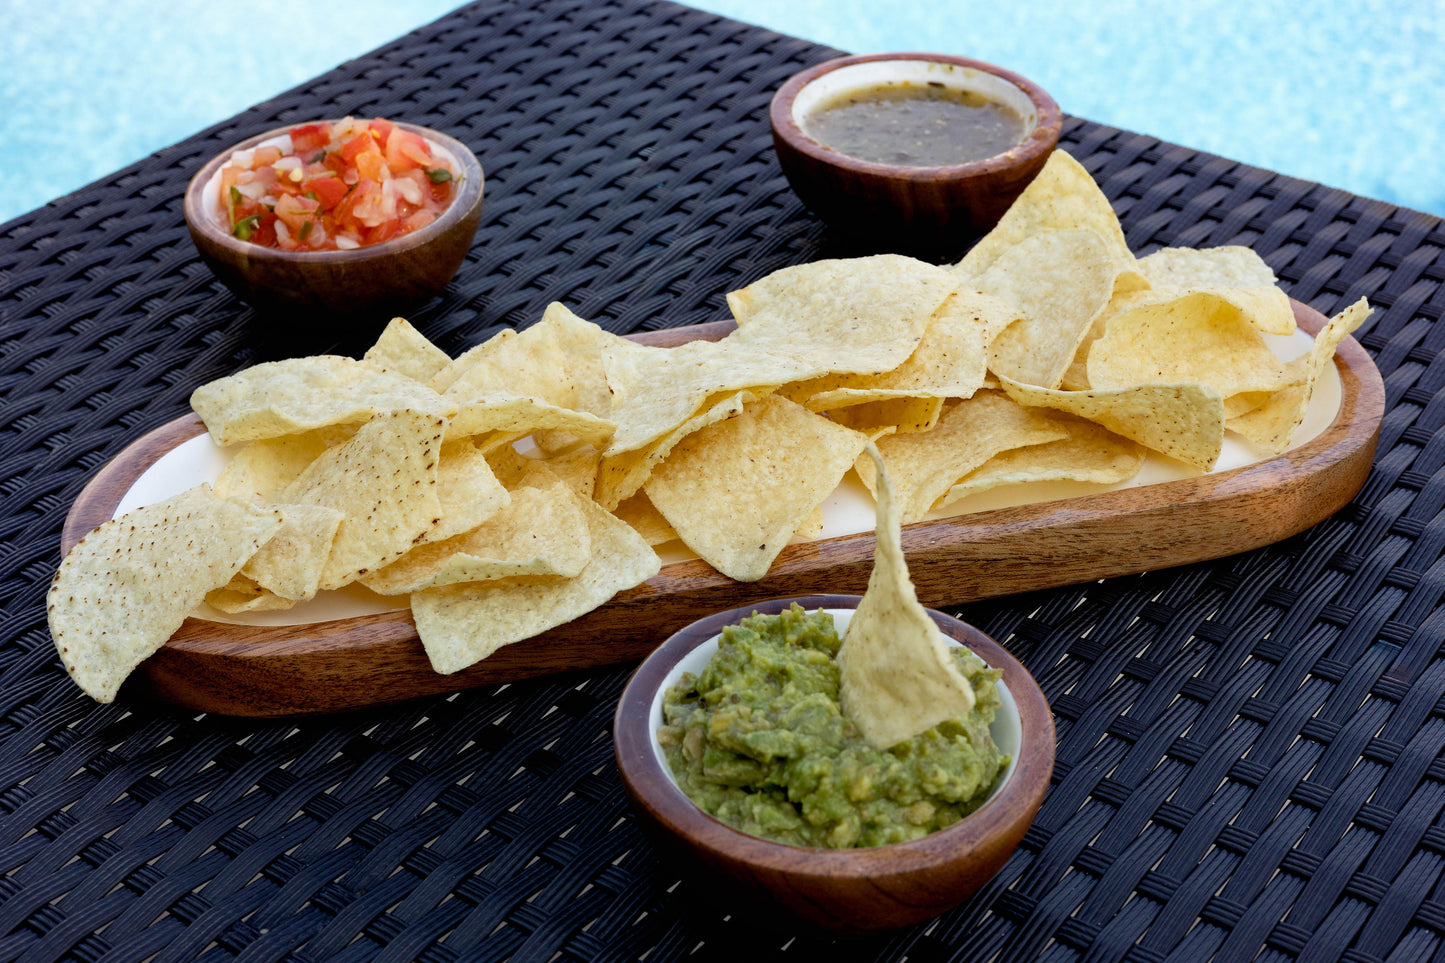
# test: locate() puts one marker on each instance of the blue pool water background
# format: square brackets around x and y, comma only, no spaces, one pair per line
[1344,92]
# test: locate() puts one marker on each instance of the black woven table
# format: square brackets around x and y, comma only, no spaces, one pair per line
[1249,760]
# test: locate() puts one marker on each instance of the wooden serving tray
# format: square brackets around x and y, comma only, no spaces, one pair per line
[369,660]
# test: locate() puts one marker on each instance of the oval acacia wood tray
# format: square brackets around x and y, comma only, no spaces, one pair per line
[371,660]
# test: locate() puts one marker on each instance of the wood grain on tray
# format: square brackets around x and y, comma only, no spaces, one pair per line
[369,660]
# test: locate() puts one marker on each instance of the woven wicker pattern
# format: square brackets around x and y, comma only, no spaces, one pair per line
[1249,751]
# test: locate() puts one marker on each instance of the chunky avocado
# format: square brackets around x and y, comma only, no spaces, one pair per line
[758,740]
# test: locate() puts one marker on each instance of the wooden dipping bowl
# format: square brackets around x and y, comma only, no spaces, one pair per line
[373,282]
[842,890]
[915,207]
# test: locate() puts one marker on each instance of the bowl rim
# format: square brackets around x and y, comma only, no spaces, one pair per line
[1041,140]
[653,789]
[466,201]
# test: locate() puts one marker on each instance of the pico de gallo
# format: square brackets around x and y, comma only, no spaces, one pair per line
[338,186]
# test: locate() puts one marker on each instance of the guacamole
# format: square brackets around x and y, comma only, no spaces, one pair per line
[758,741]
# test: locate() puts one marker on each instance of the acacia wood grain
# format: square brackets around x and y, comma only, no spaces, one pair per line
[377,659]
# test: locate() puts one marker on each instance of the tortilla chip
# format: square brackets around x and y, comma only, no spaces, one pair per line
[621,476]
[290,564]
[527,363]
[950,361]
[639,512]
[241,594]
[263,469]
[896,678]
[1091,453]
[902,415]
[462,624]
[491,441]
[859,315]
[1076,378]
[1195,269]
[1198,337]
[925,466]
[541,531]
[1247,401]
[736,491]
[1184,421]
[1060,280]
[1272,425]
[581,343]
[301,394]
[125,588]
[511,467]
[812,526]
[655,390]
[385,481]
[468,489]
[404,350]
[519,416]
[1233,272]
[577,467]
[1062,196]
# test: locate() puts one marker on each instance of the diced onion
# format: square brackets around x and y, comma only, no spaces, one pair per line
[410,190]
[389,191]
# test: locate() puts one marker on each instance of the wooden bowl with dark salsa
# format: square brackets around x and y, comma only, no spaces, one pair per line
[859,889]
[913,150]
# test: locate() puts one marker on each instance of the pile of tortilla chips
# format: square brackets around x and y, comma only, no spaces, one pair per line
[524,483]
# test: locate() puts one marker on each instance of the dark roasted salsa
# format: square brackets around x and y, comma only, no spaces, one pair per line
[758,740]
[915,125]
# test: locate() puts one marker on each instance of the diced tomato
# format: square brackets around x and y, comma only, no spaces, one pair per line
[384,231]
[370,164]
[406,151]
[328,190]
[364,201]
[418,220]
[383,181]
[228,200]
[310,137]
[383,129]
[295,211]
[355,146]
[266,233]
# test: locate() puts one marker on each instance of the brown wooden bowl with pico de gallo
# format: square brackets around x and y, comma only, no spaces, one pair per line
[343,219]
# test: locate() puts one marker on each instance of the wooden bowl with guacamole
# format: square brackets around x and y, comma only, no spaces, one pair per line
[899,867]
[912,150]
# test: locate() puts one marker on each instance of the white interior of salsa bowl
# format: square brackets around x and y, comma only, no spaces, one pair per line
[1007,729]
[874,72]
